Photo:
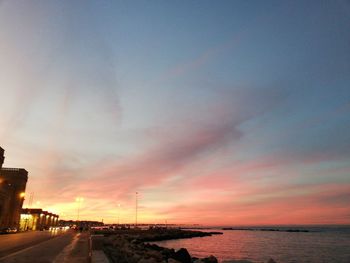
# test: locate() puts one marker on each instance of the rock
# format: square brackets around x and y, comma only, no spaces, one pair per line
[271,261]
[135,241]
[182,255]
[168,252]
[148,260]
[237,261]
[210,259]
[136,258]
[153,246]
[154,254]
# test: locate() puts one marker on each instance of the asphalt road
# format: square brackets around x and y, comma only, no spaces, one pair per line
[44,247]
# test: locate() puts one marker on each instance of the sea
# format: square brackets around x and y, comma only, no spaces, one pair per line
[310,244]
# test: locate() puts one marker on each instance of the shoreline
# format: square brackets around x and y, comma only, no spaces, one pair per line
[133,246]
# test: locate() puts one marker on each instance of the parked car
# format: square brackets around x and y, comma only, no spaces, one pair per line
[8,230]
[12,230]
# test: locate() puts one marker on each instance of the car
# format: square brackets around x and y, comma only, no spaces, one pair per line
[12,230]
[8,230]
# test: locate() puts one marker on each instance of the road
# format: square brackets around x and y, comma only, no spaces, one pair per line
[44,247]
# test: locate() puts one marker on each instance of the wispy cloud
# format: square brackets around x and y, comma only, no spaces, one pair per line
[72,67]
[178,150]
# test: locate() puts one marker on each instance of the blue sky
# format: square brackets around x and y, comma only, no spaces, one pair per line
[161,97]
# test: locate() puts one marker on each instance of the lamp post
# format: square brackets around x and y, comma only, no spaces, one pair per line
[136,210]
[118,213]
[30,202]
[79,200]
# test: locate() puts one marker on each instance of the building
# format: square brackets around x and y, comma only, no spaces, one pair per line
[37,219]
[12,187]
[2,157]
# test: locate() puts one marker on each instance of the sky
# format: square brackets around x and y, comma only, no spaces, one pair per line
[214,112]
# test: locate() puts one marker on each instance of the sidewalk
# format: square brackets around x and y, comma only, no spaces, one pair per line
[96,249]
[77,251]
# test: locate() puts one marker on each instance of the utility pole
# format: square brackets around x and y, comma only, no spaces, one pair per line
[136,210]
[118,213]
[79,200]
[31,197]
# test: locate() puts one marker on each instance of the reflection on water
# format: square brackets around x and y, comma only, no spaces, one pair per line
[259,246]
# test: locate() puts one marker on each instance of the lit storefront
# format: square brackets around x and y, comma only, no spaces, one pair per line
[37,219]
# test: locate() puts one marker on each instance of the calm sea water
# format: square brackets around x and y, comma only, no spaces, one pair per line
[321,245]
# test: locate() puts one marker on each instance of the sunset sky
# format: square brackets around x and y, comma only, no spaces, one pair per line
[215,112]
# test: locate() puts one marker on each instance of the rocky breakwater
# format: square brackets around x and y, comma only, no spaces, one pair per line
[130,246]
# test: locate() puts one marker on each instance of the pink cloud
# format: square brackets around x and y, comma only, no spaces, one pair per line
[306,208]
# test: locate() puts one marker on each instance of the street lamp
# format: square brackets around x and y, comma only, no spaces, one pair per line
[136,204]
[21,196]
[79,200]
[118,213]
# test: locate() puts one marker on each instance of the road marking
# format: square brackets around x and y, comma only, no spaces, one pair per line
[63,256]
[27,248]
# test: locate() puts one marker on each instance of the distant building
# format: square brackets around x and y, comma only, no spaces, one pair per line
[2,157]
[37,219]
[12,187]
